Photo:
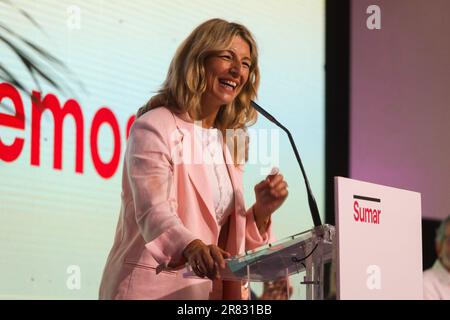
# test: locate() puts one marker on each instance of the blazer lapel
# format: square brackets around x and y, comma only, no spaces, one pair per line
[196,171]
[237,188]
[236,234]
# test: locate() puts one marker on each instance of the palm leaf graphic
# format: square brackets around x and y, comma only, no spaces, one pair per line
[39,63]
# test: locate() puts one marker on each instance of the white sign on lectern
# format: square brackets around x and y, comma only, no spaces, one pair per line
[379,241]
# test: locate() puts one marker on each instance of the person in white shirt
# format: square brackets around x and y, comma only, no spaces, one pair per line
[436,280]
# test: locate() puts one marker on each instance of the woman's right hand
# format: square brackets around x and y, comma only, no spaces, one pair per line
[205,260]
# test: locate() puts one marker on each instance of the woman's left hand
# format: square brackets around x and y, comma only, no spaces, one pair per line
[270,195]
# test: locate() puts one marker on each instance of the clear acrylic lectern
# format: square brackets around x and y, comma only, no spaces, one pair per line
[307,251]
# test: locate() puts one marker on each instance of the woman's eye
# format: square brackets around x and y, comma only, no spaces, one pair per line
[247,64]
[226,57]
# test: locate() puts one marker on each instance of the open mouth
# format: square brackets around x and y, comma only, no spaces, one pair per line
[228,84]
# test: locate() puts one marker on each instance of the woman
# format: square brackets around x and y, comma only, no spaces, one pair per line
[175,208]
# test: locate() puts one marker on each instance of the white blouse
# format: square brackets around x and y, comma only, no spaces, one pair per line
[436,282]
[217,172]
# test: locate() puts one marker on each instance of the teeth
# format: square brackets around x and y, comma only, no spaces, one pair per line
[229,82]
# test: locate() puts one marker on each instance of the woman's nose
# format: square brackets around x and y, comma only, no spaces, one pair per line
[236,68]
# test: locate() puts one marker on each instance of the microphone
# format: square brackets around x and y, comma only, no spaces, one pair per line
[311,200]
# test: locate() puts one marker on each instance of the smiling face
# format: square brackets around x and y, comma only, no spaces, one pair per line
[227,72]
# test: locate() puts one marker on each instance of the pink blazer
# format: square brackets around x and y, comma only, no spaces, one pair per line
[166,204]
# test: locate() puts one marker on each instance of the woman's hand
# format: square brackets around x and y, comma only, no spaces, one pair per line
[270,195]
[205,260]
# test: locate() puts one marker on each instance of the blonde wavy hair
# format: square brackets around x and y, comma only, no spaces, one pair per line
[186,81]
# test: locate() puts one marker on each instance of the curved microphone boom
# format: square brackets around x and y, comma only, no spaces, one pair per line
[311,200]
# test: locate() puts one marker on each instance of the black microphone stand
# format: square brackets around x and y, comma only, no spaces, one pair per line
[311,200]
